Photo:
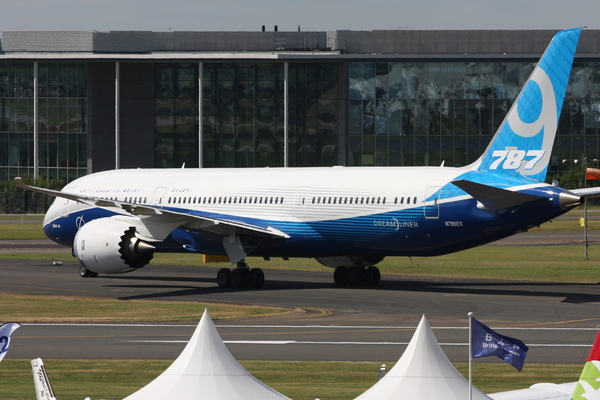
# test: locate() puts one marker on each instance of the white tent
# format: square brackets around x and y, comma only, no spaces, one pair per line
[423,372]
[206,370]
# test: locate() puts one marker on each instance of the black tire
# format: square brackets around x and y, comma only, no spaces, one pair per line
[257,278]
[84,272]
[224,278]
[373,276]
[239,278]
[340,276]
[93,275]
[357,276]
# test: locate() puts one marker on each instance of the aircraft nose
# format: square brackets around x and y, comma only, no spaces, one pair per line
[50,217]
[568,200]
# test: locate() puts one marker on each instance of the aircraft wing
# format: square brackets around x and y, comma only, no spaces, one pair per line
[152,215]
[539,391]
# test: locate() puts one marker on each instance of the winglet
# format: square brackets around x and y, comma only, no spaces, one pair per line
[43,388]
[19,183]
[595,352]
[589,384]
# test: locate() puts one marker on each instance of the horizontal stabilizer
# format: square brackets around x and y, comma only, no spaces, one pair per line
[586,192]
[493,198]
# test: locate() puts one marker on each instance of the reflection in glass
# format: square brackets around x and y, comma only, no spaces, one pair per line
[441,102]
[62,111]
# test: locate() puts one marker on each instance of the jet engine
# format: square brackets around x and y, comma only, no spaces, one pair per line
[109,246]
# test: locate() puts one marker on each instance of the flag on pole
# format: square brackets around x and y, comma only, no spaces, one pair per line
[487,342]
[5,331]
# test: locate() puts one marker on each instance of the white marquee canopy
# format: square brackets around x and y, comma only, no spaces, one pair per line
[206,370]
[423,372]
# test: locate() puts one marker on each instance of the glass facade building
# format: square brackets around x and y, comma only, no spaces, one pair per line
[399,113]
[225,100]
[426,113]
[176,115]
[243,114]
[62,120]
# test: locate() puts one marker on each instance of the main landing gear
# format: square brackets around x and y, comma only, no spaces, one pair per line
[240,277]
[356,276]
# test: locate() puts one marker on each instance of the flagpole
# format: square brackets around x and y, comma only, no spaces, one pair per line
[470,356]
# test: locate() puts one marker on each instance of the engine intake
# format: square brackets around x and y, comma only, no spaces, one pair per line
[109,246]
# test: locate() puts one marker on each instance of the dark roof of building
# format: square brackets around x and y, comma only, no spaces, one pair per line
[367,43]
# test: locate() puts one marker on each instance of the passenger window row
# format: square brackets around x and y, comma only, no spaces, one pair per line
[271,200]
[226,200]
[360,200]
[135,200]
[103,190]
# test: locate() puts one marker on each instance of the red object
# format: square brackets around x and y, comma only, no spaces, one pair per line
[595,352]
[592,174]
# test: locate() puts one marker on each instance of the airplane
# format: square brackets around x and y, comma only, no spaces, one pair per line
[43,388]
[347,218]
[587,387]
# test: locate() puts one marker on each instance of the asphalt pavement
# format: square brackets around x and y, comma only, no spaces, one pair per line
[328,323]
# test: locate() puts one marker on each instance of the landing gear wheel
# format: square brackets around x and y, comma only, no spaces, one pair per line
[373,276]
[93,274]
[257,278]
[340,276]
[84,272]
[239,278]
[224,277]
[357,276]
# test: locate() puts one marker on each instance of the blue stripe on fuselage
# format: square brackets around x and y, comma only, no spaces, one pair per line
[397,233]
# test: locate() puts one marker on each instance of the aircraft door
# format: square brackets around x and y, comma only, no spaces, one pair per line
[157,197]
[431,205]
[66,204]
[64,207]
[300,201]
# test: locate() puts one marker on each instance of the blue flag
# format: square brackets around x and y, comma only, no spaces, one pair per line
[5,331]
[487,342]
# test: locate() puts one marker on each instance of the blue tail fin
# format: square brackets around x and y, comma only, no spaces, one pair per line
[523,143]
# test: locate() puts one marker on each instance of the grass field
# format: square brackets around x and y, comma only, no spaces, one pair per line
[76,379]
[22,232]
[36,308]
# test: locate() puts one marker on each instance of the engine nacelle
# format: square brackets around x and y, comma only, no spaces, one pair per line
[109,246]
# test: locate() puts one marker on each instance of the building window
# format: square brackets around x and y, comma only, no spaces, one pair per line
[62,120]
[243,114]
